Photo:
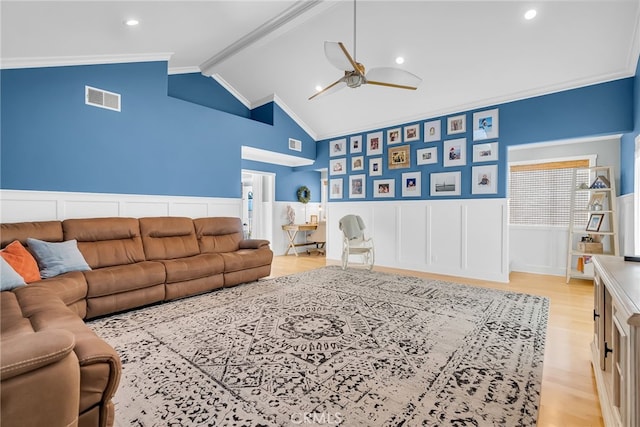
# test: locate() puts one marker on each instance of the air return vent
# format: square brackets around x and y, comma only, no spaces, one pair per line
[102,98]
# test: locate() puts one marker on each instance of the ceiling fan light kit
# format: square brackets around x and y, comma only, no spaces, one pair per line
[354,72]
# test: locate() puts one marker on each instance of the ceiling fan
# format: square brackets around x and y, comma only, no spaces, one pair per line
[354,72]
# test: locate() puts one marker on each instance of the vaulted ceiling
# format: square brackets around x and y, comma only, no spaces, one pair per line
[468,53]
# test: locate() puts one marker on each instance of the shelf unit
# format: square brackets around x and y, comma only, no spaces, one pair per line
[581,217]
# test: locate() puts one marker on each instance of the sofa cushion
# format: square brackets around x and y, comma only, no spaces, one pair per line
[124,278]
[12,322]
[51,231]
[195,267]
[57,258]
[168,238]
[21,261]
[245,259]
[70,287]
[105,242]
[9,279]
[218,234]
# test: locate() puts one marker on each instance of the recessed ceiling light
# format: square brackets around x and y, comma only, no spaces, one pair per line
[131,22]
[530,14]
[399,60]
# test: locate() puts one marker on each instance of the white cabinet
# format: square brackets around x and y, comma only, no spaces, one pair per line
[616,344]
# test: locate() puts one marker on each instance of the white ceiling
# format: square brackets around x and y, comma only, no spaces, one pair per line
[469,54]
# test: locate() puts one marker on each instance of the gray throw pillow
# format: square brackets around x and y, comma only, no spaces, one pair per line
[9,278]
[57,258]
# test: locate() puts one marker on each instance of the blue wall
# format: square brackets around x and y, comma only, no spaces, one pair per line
[601,109]
[157,144]
[288,180]
[196,88]
[627,143]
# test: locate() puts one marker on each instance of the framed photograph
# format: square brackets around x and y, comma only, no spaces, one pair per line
[338,166]
[357,189]
[338,147]
[295,144]
[456,124]
[335,188]
[426,156]
[374,143]
[411,133]
[595,221]
[432,131]
[357,163]
[412,184]
[454,152]
[394,136]
[445,184]
[485,152]
[314,219]
[596,201]
[356,144]
[384,188]
[485,125]
[399,157]
[375,166]
[484,179]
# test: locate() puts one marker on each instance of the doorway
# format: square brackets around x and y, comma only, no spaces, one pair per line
[258,192]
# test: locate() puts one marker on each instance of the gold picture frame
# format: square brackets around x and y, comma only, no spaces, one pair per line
[399,157]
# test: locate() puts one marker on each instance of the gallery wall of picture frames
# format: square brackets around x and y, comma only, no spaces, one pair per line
[456,156]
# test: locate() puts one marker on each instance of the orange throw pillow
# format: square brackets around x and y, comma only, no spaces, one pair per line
[18,257]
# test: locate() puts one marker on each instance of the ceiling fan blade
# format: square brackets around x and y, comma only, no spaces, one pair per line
[393,77]
[333,87]
[339,57]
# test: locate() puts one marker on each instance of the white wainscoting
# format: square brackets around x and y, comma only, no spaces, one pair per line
[462,237]
[18,205]
[280,242]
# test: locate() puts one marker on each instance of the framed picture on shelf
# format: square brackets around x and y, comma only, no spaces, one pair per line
[314,219]
[426,156]
[335,186]
[375,166]
[399,157]
[454,152]
[484,179]
[411,133]
[595,221]
[374,143]
[356,144]
[411,184]
[394,136]
[601,182]
[596,202]
[485,125]
[357,163]
[445,184]
[384,188]
[456,124]
[338,166]
[432,131]
[338,147]
[357,188]
[485,152]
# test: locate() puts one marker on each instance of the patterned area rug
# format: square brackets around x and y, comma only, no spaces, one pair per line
[332,347]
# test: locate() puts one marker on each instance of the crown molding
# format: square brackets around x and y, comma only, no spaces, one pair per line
[274,98]
[183,70]
[65,61]
[232,90]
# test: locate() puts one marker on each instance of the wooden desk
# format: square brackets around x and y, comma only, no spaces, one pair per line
[292,232]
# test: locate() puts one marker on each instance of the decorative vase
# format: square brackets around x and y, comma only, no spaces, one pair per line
[291,215]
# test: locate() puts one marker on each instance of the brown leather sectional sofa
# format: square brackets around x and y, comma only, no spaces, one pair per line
[55,371]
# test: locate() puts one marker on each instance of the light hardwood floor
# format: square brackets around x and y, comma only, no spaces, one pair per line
[568,397]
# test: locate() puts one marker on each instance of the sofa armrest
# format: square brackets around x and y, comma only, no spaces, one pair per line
[253,243]
[25,353]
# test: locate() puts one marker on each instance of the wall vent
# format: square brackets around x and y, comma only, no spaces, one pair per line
[295,144]
[102,98]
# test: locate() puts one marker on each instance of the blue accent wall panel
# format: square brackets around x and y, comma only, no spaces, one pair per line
[203,90]
[627,143]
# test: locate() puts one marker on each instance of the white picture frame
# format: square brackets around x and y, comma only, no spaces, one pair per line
[445,184]
[357,186]
[432,131]
[454,152]
[335,188]
[374,143]
[412,133]
[384,188]
[355,144]
[357,163]
[375,166]
[394,136]
[456,124]
[412,184]
[338,147]
[427,156]
[485,125]
[484,179]
[338,166]
[485,152]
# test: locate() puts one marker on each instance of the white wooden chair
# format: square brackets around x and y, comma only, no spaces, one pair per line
[354,242]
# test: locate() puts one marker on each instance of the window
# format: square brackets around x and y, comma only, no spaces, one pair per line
[540,193]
